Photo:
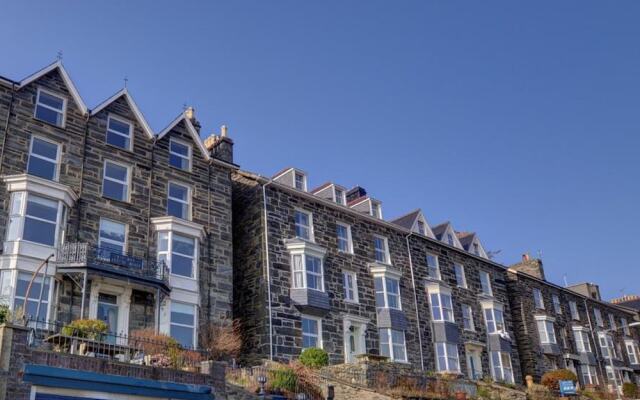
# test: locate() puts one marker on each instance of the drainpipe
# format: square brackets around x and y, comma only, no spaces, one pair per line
[209,255]
[6,125]
[153,153]
[84,159]
[267,263]
[415,300]
[596,343]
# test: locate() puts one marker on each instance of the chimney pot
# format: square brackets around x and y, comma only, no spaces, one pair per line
[525,257]
[223,131]
[190,112]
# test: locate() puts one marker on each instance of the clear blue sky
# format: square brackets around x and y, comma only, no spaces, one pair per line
[517,120]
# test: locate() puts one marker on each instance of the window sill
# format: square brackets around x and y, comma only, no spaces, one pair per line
[117,200]
[113,146]
[183,277]
[346,253]
[351,301]
[188,171]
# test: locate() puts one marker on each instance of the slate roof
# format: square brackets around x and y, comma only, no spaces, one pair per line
[466,238]
[407,221]
[439,230]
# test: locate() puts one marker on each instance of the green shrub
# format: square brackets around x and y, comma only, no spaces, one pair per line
[551,379]
[284,379]
[314,358]
[630,390]
[86,328]
[4,314]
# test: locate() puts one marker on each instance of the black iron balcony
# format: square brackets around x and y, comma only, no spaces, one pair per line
[105,261]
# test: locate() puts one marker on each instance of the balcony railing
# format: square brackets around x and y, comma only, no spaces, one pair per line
[74,255]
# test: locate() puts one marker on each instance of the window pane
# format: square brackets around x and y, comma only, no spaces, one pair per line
[117,172]
[313,264]
[182,314]
[163,241]
[384,343]
[183,335]
[117,140]
[179,148]
[39,231]
[34,292]
[178,162]
[44,149]
[118,126]
[114,190]
[177,209]
[51,101]
[41,168]
[183,245]
[181,265]
[178,192]
[42,208]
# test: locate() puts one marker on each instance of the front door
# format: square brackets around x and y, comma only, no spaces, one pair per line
[474,364]
[108,312]
[352,338]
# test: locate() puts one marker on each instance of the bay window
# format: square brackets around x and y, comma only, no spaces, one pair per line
[494,318]
[178,252]
[307,272]
[31,307]
[392,344]
[447,357]
[36,219]
[501,368]
[387,292]
[44,158]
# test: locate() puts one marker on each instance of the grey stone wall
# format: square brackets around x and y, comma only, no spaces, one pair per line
[84,151]
[447,257]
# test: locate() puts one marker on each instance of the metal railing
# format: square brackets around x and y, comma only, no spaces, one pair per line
[140,348]
[83,254]
[279,381]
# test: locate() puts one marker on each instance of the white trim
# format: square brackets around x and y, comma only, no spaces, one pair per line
[195,320]
[127,198]
[454,238]
[465,284]
[56,175]
[318,336]
[390,343]
[438,291]
[122,121]
[349,238]
[41,186]
[354,282]
[65,77]
[385,290]
[52,94]
[297,174]
[134,107]
[538,299]
[445,346]
[107,240]
[472,323]
[488,275]
[387,254]
[178,225]
[189,201]
[189,157]
[309,227]
[169,252]
[192,131]
[430,268]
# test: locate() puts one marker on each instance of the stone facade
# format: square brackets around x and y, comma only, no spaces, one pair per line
[539,354]
[82,154]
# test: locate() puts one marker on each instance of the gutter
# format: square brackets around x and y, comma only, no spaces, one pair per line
[415,300]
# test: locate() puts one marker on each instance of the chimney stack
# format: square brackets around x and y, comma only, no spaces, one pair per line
[220,146]
[525,257]
[530,266]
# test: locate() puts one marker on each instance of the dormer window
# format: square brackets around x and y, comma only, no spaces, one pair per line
[476,249]
[340,196]
[50,108]
[450,239]
[422,228]
[119,132]
[376,210]
[300,181]
[179,155]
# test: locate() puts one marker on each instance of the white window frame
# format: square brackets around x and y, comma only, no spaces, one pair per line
[348,239]
[109,130]
[63,111]
[189,198]
[625,326]
[387,256]
[127,183]
[422,227]
[304,271]
[126,234]
[546,330]
[598,315]
[607,346]
[376,210]
[581,337]
[318,336]
[589,374]
[347,289]
[485,274]
[391,344]
[340,196]
[169,253]
[46,300]
[450,353]
[441,302]
[493,320]
[538,300]
[433,271]
[557,306]
[309,228]
[195,320]
[385,290]
[56,174]
[296,175]
[612,322]
[632,351]
[573,307]
[501,367]
[20,215]
[189,157]
[467,315]
[461,275]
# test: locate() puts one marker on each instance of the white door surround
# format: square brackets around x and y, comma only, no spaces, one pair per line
[354,337]
[474,361]
[124,303]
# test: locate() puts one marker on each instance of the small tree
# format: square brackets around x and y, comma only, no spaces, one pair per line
[314,357]
[630,390]
[5,314]
[223,341]
[551,379]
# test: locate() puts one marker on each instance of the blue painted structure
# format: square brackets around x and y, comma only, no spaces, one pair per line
[43,375]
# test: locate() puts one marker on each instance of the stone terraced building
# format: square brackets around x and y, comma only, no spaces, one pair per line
[136,226]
